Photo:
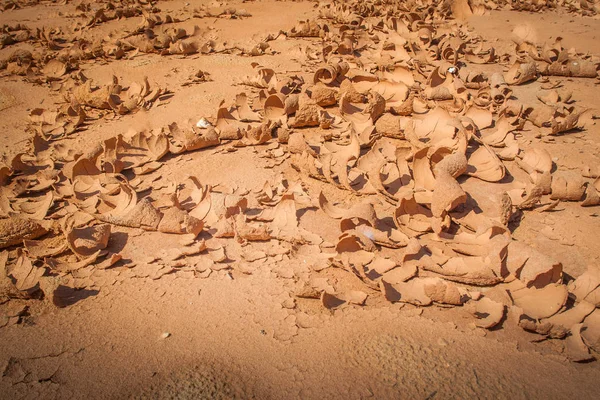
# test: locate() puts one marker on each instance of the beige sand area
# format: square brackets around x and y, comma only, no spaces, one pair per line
[273,199]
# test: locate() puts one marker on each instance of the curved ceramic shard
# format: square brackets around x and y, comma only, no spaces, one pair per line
[357,297]
[412,215]
[308,28]
[569,119]
[540,303]
[337,159]
[532,267]
[400,274]
[39,250]
[394,93]
[194,139]
[454,164]
[275,107]
[483,118]
[592,196]
[26,275]
[14,230]
[440,86]
[98,98]
[562,323]
[36,208]
[576,349]
[363,213]
[331,301]
[567,185]
[479,271]
[443,292]
[284,221]
[586,286]
[423,160]
[87,240]
[174,220]
[307,115]
[436,128]
[535,159]
[361,114]
[520,73]
[483,163]
[59,266]
[323,95]
[390,126]
[194,197]
[54,69]
[227,125]
[447,192]
[245,231]
[354,240]
[330,73]
[591,331]
[574,68]
[461,9]
[526,200]
[488,313]
[119,201]
[412,292]
[153,146]
[243,110]
[264,78]
[489,237]
[141,215]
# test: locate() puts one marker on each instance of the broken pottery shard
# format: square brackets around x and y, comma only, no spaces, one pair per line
[412,215]
[88,240]
[489,313]
[592,196]
[480,271]
[111,259]
[591,330]
[179,221]
[390,126]
[443,292]
[540,303]
[400,274]
[323,95]
[575,348]
[27,275]
[485,164]
[520,73]
[14,230]
[362,213]
[535,159]
[331,301]
[57,265]
[567,185]
[142,215]
[412,292]
[587,286]
[36,208]
[38,249]
[560,324]
[356,297]
[532,267]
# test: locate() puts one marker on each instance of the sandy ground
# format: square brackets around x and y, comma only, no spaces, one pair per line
[234,335]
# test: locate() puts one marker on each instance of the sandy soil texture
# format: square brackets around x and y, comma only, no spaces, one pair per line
[299,199]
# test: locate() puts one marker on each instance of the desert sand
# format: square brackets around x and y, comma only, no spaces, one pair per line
[277,199]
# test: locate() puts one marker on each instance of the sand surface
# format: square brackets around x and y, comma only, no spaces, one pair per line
[246,335]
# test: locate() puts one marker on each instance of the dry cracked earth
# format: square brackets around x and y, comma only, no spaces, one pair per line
[308,199]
